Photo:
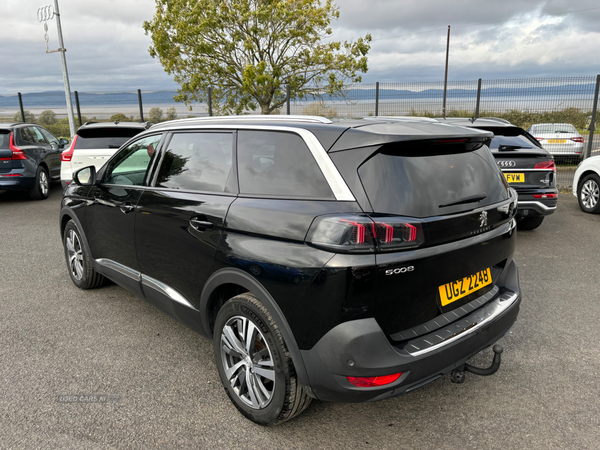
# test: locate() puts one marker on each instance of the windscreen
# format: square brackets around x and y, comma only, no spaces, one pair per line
[104,137]
[4,138]
[421,180]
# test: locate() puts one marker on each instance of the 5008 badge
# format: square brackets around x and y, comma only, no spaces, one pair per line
[399,270]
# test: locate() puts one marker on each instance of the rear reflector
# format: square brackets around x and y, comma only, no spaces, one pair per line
[577,139]
[373,381]
[12,175]
[17,153]
[67,155]
[546,165]
[545,195]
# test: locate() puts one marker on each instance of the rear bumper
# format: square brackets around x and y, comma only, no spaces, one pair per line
[16,183]
[359,348]
[529,206]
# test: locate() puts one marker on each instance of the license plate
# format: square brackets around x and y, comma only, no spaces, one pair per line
[515,177]
[557,141]
[451,292]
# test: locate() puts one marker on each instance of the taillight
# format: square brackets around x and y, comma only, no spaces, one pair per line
[373,381]
[539,139]
[67,155]
[360,233]
[577,139]
[546,165]
[545,195]
[17,153]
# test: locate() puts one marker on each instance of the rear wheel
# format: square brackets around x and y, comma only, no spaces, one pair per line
[79,261]
[588,194]
[254,363]
[529,223]
[40,189]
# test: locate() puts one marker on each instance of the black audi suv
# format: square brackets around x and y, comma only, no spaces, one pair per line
[29,158]
[349,261]
[527,167]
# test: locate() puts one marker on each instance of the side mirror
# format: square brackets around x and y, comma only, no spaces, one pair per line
[62,143]
[85,176]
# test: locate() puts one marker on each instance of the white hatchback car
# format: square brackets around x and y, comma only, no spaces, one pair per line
[586,185]
[562,140]
[94,144]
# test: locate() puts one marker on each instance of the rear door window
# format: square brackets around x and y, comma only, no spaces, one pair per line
[25,136]
[38,137]
[102,138]
[198,162]
[272,163]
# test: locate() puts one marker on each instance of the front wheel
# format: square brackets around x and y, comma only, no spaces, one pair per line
[79,261]
[529,223]
[254,363]
[588,194]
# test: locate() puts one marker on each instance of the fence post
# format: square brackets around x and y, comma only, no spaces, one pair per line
[78,108]
[588,152]
[376,99]
[21,106]
[288,93]
[210,101]
[478,99]
[141,107]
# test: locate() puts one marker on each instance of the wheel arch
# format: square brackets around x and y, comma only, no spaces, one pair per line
[236,280]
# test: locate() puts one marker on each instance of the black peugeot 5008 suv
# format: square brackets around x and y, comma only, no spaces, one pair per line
[527,166]
[350,261]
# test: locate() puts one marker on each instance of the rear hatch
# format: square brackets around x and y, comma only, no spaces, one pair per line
[526,166]
[94,146]
[6,163]
[455,198]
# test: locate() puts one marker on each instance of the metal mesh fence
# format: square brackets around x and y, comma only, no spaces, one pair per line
[523,102]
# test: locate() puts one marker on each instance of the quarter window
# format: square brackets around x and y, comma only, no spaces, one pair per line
[278,164]
[130,166]
[197,161]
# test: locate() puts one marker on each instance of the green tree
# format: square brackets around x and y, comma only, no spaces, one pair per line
[248,51]
[171,114]
[47,117]
[29,117]
[119,117]
[155,115]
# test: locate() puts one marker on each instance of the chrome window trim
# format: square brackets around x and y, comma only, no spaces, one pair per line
[336,183]
[513,169]
[166,290]
[540,204]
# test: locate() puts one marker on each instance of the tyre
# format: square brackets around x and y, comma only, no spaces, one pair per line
[41,188]
[254,364]
[79,261]
[529,223]
[588,194]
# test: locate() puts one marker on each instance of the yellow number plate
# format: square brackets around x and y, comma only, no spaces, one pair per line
[515,177]
[461,288]
[557,141]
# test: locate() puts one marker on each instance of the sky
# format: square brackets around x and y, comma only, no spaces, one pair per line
[107,49]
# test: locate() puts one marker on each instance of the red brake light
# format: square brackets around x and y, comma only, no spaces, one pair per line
[539,139]
[373,381]
[545,195]
[577,139]
[546,165]
[17,153]
[67,155]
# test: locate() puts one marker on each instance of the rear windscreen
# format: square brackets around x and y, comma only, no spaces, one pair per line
[104,138]
[419,181]
[511,136]
[4,137]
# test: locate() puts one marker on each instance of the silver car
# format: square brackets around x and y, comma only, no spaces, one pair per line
[561,139]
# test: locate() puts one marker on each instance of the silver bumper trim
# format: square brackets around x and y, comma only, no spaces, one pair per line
[540,204]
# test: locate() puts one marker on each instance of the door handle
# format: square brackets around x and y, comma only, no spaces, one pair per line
[126,208]
[201,225]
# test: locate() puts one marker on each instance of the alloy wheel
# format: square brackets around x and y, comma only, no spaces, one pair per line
[75,255]
[590,194]
[44,183]
[248,362]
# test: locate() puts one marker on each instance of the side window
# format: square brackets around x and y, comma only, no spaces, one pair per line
[197,161]
[278,163]
[25,136]
[130,165]
[49,137]
[38,137]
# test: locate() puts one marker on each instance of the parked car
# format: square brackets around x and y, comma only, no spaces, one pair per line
[29,158]
[561,139]
[397,241]
[526,165]
[586,185]
[95,143]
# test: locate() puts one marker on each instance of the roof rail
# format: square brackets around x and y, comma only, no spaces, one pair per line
[497,119]
[266,118]
[401,118]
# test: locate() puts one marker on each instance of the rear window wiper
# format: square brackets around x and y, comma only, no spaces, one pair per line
[471,199]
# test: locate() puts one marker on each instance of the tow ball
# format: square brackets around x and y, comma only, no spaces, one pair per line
[458,374]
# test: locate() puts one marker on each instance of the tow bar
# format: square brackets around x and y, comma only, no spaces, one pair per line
[458,374]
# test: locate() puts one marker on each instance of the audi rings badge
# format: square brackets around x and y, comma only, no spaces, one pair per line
[45,13]
[506,163]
